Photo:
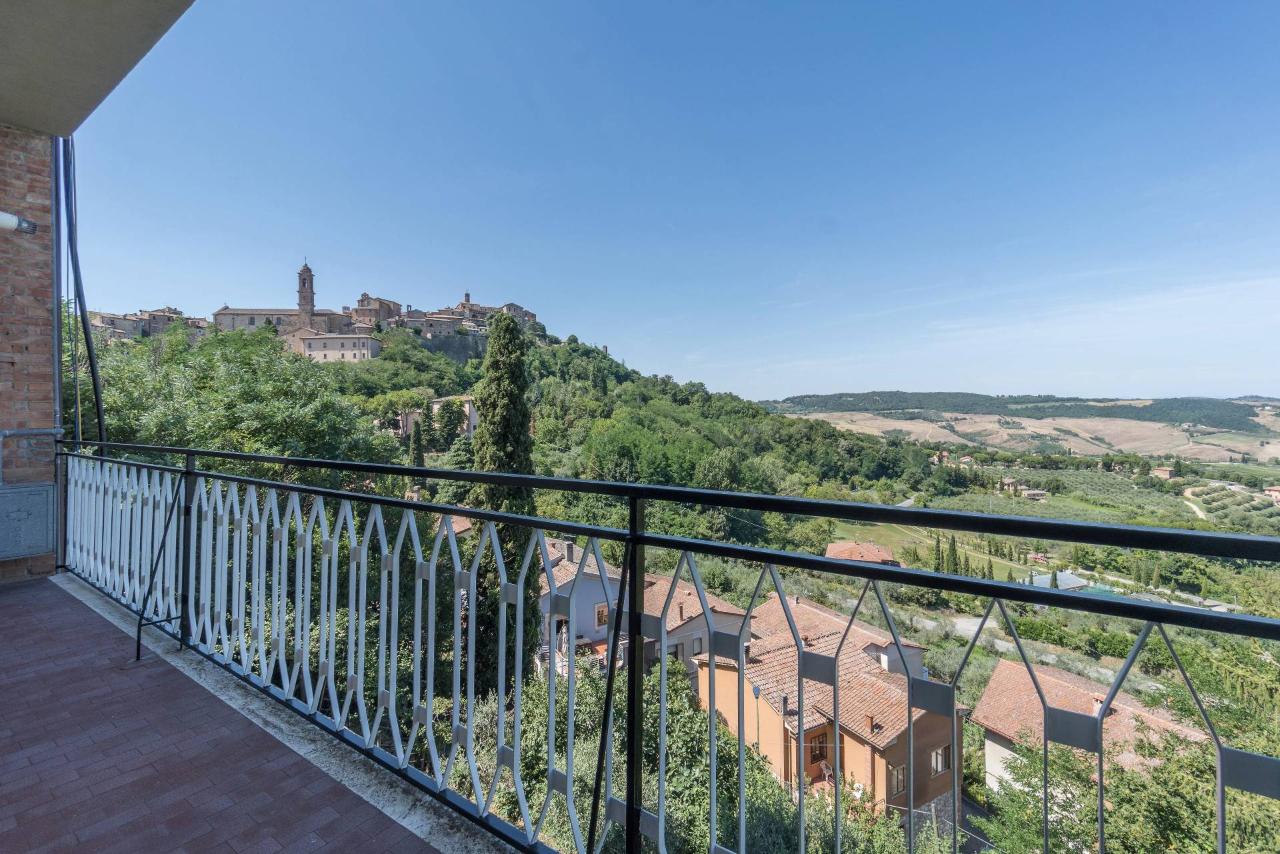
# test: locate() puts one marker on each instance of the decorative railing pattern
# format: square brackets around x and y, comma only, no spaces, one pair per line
[364,613]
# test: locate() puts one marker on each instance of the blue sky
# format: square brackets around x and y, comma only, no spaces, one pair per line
[774,200]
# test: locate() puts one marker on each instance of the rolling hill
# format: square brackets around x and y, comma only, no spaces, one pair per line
[1200,428]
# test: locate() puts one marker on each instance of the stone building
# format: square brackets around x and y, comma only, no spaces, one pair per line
[305,316]
[371,311]
[481,314]
[143,323]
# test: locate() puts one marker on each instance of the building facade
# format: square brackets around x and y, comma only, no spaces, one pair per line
[335,347]
[304,316]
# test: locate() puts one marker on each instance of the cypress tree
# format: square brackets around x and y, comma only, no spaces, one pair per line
[1053,579]
[415,447]
[937,554]
[953,557]
[429,442]
[502,443]
[991,570]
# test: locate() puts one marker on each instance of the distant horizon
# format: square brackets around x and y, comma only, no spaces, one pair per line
[1080,397]
[770,201]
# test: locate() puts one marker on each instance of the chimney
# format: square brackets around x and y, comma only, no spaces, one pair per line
[680,611]
[568,551]
[871,723]
[797,598]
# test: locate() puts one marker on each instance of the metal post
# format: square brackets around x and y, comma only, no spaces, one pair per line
[186,564]
[635,670]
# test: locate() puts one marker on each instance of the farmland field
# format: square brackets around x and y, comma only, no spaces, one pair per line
[1088,436]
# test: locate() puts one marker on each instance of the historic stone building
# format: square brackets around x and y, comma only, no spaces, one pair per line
[371,311]
[144,323]
[481,314]
[305,316]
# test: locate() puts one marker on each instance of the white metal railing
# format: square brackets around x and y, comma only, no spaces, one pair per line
[333,602]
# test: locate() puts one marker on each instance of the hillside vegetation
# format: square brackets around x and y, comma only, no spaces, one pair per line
[1205,411]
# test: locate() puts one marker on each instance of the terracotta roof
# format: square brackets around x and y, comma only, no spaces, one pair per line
[851,550]
[685,604]
[865,688]
[768,619]
[1011,708]
[564,570]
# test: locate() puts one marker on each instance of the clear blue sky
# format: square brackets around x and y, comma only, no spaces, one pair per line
[995,197]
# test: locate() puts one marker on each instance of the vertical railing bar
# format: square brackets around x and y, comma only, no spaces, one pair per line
[635,672]
[188,545]
[608,697]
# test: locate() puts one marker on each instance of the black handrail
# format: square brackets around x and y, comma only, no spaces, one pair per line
[1195,542]
[1206,543]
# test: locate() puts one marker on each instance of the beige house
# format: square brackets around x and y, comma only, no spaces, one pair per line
[333,347]
[1162,472]
[871,721]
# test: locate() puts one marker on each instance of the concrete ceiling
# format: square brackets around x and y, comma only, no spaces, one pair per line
[60,58]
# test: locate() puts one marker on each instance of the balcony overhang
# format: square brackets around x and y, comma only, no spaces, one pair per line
[60,58]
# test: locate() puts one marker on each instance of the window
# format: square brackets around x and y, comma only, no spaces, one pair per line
[697,645]
[602,616]
[940,759]
[253,321]
[818,748]
[897,779]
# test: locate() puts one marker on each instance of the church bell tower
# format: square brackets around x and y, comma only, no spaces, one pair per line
[306,296]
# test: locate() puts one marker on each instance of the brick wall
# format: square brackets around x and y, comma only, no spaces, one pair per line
[26,322]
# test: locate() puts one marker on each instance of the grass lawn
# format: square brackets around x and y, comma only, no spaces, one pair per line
[898,537]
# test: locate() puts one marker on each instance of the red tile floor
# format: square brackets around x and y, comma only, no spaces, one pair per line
[100,754]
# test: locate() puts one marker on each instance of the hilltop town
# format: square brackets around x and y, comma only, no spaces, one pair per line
[323,334]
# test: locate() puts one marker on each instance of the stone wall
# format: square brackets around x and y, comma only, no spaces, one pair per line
[459,348]
[26,323]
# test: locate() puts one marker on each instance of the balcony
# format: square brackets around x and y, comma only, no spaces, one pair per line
[433,642]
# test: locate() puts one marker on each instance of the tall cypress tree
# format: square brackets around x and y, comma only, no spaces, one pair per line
[502,443]
[415,448]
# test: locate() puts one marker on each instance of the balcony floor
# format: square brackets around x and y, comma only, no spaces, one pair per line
[99,753]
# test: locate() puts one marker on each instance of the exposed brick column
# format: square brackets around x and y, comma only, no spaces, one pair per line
[26,322]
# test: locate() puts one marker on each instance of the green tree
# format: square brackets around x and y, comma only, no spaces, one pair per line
[502,443]
[415,447]
[449,422]
[953,557]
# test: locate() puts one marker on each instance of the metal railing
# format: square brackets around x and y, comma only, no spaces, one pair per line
[272,579]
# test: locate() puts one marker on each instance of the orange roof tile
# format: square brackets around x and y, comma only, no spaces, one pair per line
[1011,707]
[868,552]
[813,619]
